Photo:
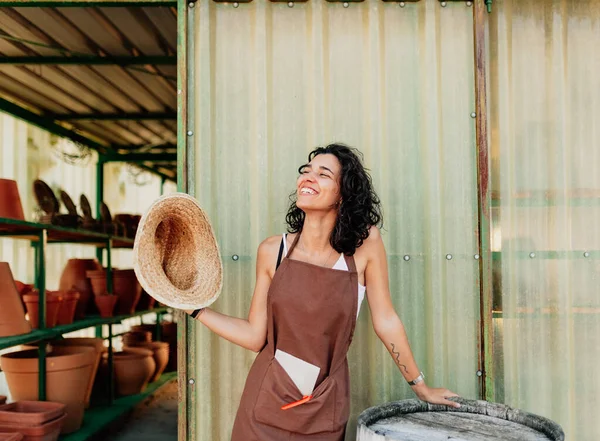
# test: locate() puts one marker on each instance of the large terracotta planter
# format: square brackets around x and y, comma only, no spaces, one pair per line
[53,304]
[106,304]
[97,344]
[133,369]
[66,312]
[127,288]
[10,201]
[160,353]
[68,371]
[74,278]
[12,314]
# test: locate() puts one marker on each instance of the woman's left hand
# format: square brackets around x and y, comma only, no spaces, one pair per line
[435,395]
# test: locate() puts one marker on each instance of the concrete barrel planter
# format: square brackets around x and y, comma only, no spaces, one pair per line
[415,420]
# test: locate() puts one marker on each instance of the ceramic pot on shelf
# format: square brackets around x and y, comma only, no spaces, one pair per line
[127,288]
[133,369]
[68,372]
[10,201]
[136,337]
[93,342]
[66,312]
[97,279]
[12,313]
[53,304]
[160,354]
[74,278]
[106,304]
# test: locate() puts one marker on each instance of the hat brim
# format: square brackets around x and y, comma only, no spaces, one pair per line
[176,257]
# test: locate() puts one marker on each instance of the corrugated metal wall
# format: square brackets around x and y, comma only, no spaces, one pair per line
[271,83]
[545,101]
[28,153]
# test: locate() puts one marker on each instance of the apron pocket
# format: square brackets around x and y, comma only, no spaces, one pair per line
[278,389]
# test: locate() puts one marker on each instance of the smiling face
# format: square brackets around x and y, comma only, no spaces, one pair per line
[318,186]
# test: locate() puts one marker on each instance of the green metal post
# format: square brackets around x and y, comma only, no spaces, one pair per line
[99,196]
[109,279]
[162,185]
[41,285]
[158,327]
[111,385]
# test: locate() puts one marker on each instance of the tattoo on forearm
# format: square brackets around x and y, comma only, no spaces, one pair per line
[397,356]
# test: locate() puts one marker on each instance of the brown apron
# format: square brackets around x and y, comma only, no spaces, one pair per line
[311,315]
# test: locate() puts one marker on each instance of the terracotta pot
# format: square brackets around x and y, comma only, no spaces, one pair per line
[133,369]
[169,335]
[74,278]
[127,288]
[32,303]
[97,344]
[66,313]
[147,328]
[24,288]
[31,413]
[105,304]
[49,431]
[136,337]
[97,280]
[68,371]
[160,353]
[12,314]
[11,436]
[10,201]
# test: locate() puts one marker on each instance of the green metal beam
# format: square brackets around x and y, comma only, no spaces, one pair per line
[86,3]
[90,60]
[150,116]
[139,157]
[48,125]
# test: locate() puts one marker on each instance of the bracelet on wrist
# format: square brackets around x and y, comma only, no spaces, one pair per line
[417,380]
[196,313]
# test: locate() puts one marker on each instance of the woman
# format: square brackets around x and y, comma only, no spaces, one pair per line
[310,284]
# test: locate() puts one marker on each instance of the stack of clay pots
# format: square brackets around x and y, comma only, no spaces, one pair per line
[32,420]
[168,335]
[74,278]
[69,371]
[133,369]
[60,305]
[126,288]
[12,314]
[141,336]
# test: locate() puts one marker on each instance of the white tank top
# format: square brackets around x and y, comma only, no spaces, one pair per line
[339,265]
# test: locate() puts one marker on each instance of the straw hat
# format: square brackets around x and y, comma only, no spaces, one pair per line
[175,254]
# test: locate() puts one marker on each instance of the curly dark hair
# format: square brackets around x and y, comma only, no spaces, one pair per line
[360,207]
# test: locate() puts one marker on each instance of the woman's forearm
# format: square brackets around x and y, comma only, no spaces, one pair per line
[236,330]
[393,335]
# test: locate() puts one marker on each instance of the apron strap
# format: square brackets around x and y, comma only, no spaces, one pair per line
[350,263]
[294,243]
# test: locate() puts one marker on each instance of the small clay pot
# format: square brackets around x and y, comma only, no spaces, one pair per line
[127,288]
[160,353]
[133,369]
[24,288]
[32,303]
[136,337]
[105,304]
[93,342]
[68,371]
[66,313]
[74,278]
[32,413]
[12,314]
[10,201]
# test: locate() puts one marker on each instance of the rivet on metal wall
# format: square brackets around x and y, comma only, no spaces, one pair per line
[236,4]
[291,4]
[235,257]
[476,256]
[407,257]
[402,4]
[473,115]
[586,254]
[469,3]
[191,4]
[190,133]
[179,92]
[532,255]
[479,374]
[191,381]
[346,4]
[448,256]
[443,4]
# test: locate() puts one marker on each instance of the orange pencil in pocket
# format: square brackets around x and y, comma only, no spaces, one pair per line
[297,403]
